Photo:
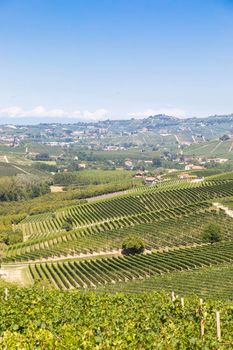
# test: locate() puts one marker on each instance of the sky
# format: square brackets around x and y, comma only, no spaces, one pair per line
[70,60]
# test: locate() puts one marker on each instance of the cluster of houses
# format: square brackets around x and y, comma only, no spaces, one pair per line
[149,180]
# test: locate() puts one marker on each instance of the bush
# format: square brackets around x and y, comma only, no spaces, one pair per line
[212,233]
[11,237]
[133,245]
[67,226]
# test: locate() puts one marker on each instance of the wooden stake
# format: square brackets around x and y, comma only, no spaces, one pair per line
[182,302]
[202,327]
[173,296]
[6,293]
[218,325]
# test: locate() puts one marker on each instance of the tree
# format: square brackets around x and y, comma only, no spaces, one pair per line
[11,237]
[133,245]
[212,233]
[224,137]
[67,226]
[157,162]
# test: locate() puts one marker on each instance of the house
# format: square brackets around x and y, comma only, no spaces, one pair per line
[139,174]
[129,164]
[193,167]
[184,176]
[198,167]
[150,180]
[82,166]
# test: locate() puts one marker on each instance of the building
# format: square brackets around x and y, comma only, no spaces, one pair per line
[151,180]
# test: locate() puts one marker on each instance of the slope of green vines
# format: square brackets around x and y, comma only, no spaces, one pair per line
[33,319]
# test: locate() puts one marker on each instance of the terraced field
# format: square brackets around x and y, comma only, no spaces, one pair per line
[208,282]
[92,273]
[175,227]
[169,218]
[141,206]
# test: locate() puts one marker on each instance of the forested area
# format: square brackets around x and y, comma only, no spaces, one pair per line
[22,187]
[92,177]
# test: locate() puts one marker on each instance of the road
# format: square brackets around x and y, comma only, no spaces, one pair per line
[15,166]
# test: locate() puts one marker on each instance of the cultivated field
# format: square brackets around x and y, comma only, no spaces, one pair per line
[169,217]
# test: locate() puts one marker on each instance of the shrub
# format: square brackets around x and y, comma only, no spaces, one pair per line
[212,233]
[67,226]
[132,245]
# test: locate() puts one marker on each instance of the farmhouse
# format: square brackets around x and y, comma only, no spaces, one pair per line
[184,176]
[193,167]
[151,180]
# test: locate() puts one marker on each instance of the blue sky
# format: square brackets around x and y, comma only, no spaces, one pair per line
[67,60]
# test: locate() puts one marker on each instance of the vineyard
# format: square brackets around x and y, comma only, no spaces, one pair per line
[213,282]
[37,319]
[81,291]
[91,273]
[169,217]
[171,229]
[140,207]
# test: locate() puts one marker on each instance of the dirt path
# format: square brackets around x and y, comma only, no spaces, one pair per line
[214,149]
[228,211]
[116,252]
[24,171]
[16,274]
[105,196]
[99,254]
[231,146]
[15,166]
[19,272]
[177,139]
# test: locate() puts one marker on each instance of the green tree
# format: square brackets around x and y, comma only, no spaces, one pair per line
[133,245]
[212,233]
[157,162]
[67,225]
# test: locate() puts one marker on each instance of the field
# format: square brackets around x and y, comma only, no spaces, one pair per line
[169,217]
[213,148]
[82,268]
[213,282]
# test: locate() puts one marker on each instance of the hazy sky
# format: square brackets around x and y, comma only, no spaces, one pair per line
[92,59]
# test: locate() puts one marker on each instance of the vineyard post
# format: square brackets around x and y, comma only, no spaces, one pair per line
[6,293]
[173,296]
[202,319]
[218,325]
[202,327]
[182,302]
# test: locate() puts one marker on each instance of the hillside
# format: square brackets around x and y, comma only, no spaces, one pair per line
[79,246]
[69,257]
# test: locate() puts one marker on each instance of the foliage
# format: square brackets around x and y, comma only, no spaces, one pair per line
[22,187]
[52,201]
[67,226]
[92,177]
[42,156]
[133,245]
[157,162]
[32,319]
[212,232]
[45,167]
[11,237]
